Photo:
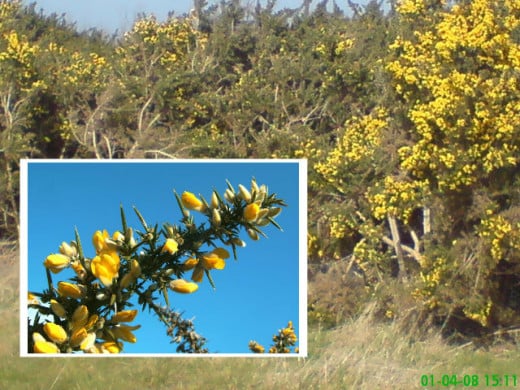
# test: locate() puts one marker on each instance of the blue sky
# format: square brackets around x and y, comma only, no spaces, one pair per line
[120,14]
[254,297]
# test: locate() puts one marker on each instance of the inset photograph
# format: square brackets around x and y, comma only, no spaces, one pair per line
[152,258]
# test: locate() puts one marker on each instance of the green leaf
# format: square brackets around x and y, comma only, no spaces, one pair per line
[210,279]
[275,223]
[165,294]
[184,212]
[78,243]
[141,218]
[230,186]
[123,219]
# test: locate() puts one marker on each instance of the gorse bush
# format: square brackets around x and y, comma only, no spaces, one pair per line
[438,204]
[90,312]
[409,120]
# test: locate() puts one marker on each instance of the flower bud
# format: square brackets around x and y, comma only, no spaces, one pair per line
[124,316]
[214,200]
[238,242]
[78,336]
[274,211]
[70,290]
[80,317]
[68,250]
[55,332]
[56,262]
[58,309]
[216,219]
[126,280]
[229,195]
[135,268]
[244,193]
[101,296]
[118,237]
[254,186]
[88,342]
[182,286]
[170,231]
[253,234]
[262,222]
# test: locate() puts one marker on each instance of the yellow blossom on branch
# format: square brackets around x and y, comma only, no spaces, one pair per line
[106,267]
[124,332]
[182,286]
[57,262]
[43,346]
[70,290]
[251,212]
[191,202]
[55,332]
[170,246]
[124,316]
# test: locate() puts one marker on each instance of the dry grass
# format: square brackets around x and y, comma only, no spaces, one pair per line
[360,354]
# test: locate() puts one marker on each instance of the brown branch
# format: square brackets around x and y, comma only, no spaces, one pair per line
[396,242]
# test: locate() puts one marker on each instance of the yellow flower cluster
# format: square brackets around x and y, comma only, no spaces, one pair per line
[105,266]
[283,341]
[83,330]
[77,312]
[500,234]
[170,42]
[361,138]
[430,279]
[8,8]
[480,314]
[93,70]
[466,121]
[253,216]
[74,327]
[397,198]
[20,52]
[313,246]
[340,226]
[343,45]
[367,251]
[216,259]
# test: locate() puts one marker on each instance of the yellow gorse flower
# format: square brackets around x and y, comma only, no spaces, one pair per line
[110,347]
[32,299]
[124,316]
[170,246]
[99,241]
[88,342]
[183,287]
[58,309]
[215,259]
[70,290]
[56,262]
[190,201]
[255,347]
[80,317]
[106,267]
[251,212]
[45,347]
[55,332]
[190,264]
[68,250]
[211,260]
[78,336]
[124,332]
